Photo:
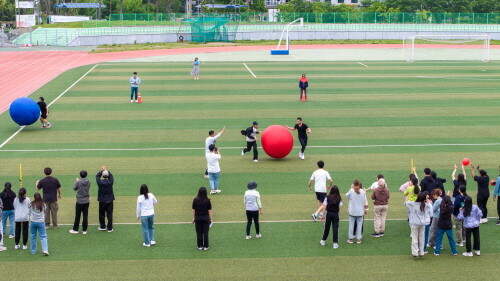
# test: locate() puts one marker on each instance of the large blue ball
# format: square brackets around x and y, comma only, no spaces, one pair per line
[24,111]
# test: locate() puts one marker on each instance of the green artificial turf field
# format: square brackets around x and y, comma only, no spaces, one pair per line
[364,120]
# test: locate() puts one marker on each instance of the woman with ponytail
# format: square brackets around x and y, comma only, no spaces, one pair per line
[22,206]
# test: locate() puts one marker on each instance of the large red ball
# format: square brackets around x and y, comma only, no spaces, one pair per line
[465,161]
[277,141]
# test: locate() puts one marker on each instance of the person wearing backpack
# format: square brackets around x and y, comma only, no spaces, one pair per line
[251,138]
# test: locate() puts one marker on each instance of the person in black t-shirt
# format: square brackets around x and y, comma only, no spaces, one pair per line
[44,109]
[202,218]
[483,192]
[51,192]
[302,130]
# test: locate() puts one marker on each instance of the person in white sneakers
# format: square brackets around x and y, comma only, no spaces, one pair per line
[211,139]
[251,137]
[302,130]
[146,214]
[213,168]
[22,206]
[320,176]
[253,207]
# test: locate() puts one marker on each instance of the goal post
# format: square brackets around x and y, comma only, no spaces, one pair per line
[296,23]
[447,47]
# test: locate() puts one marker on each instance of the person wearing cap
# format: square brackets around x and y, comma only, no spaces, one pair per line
[134,87]
[253,208]
[213,168]
[44,113]
[211,139]
[251,138]
[51,192]
[105,196]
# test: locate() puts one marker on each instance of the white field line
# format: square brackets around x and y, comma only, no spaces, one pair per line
[22,127]
[232,148]
[241,222]
[459,77]
[363,64]
[249,70]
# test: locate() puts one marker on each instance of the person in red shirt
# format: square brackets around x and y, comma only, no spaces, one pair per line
[303,84]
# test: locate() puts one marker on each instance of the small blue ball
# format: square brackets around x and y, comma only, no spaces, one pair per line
[24,111]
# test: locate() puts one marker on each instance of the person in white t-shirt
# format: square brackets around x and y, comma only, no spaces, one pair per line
[211,139]
[320,176]
[146,214]
[375,184]
[213,168]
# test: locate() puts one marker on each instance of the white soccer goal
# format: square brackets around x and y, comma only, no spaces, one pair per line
[286,30]
[447,47]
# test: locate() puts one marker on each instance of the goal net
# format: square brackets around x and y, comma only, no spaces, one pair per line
[447,47]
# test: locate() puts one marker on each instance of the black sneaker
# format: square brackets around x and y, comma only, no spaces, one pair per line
[498,222]
[376,235]
[381,234]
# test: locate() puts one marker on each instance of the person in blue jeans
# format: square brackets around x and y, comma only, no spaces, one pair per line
[37,224]
[146,214]
[445,227]
[7,196]
[213,168]
[134,87]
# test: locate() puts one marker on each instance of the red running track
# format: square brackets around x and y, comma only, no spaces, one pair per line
[25,72]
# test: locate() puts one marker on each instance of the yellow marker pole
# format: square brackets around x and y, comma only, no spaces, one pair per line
[20,175]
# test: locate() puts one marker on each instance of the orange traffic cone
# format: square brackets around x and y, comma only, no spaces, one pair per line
[139,98]
[303,96]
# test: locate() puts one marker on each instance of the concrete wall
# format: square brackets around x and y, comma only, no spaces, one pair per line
[268,35]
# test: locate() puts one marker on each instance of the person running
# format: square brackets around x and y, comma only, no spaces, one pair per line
[302,130]
[320,176]
[380,198]
[213,168]
[211,139]
[7,196]
[251,138]
[483,191]
[358,207]
[146,214]
[419,215]
[196,69]
[82,187]
[253,208]
[44,110]
[22,206]
[202,218]
[51,192]
[332,205]
[303,84]
[37,220]
[445,227]
[134,86]
[496,197]
[471,216]
[461,179]
[436,207]
[105,196]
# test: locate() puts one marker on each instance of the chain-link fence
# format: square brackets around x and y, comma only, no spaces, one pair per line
[335,18]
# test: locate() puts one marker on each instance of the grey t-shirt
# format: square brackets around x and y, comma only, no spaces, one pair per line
[36,215]
[82,187]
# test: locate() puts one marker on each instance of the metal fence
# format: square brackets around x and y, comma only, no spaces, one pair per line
[335,18]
